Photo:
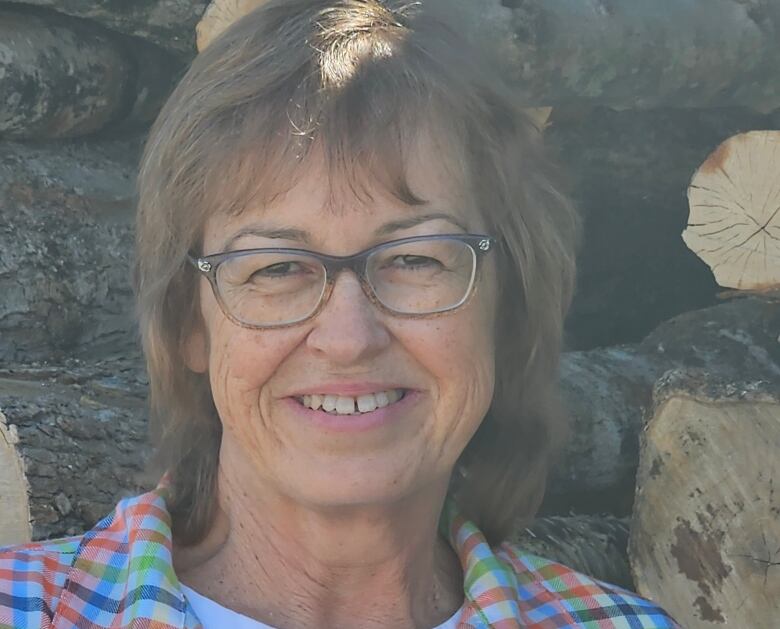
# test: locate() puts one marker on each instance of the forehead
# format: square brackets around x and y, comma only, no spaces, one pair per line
[321,196]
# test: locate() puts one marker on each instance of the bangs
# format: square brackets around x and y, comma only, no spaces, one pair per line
[360,130]
[363,149]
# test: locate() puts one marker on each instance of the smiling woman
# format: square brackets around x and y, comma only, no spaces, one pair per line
[353,267]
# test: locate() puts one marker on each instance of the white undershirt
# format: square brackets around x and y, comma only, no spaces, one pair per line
[214,616]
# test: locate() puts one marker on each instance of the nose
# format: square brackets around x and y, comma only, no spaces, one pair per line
[348,330]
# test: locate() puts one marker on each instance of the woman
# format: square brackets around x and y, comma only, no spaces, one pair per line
[353,266]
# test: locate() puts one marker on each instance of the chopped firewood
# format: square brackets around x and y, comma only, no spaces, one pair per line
[705,533]
[734,224]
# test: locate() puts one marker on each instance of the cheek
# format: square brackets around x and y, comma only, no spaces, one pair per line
[458,352]
[242,362]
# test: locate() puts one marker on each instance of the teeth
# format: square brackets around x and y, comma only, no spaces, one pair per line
[382,399]
[329,403]
[366,403]
[346,405]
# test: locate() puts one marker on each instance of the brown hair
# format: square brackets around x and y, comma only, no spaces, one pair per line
[357,79]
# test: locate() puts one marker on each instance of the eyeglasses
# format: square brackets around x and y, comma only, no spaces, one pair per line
[409,277]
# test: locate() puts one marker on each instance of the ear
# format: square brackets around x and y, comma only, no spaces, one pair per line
[194,348]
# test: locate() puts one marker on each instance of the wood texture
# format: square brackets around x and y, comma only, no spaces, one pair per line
[734,223]
[705,534]
[593,545]
[66,232]
[72,442]
[631,54]
[168,23]
[608,390]
[61,77]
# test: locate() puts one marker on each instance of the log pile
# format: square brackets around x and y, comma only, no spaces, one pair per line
[673,394]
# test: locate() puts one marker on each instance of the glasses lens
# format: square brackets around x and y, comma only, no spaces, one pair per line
[270,288]
[423,276]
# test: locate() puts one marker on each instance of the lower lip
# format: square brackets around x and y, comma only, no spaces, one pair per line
[359,422]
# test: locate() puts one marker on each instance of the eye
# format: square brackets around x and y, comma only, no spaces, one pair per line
[414,262]
[280,269]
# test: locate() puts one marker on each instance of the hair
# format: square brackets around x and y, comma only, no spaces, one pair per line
[352,81]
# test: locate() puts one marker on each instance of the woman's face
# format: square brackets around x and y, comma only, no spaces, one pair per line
[443,365]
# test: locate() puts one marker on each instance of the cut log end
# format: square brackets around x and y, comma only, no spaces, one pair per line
[734,223]
[14,506]
[705,536]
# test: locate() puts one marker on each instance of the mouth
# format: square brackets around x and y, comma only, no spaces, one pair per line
[351,405]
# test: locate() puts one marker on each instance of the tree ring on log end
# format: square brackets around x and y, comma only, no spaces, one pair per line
[734,223]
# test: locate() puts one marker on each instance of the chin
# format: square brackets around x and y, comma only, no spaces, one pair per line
[350,487]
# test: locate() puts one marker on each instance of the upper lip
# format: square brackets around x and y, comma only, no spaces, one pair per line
[352,389]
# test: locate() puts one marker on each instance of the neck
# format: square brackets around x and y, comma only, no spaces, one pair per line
[292,565]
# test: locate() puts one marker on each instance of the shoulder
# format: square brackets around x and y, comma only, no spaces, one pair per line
[34,577]
[550,591]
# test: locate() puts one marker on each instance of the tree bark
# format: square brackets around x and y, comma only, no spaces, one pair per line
[72,442]
[705,535]
[167,23]
[593,545]
[62,77]
[608,390]
[632,54]
[66,232]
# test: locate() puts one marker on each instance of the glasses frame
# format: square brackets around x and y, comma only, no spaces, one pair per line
[208,265]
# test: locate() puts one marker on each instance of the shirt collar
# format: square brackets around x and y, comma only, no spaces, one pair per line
[489,584]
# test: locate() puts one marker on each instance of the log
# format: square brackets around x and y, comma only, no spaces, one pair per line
[734,223]
[624,54]
[705,533]
[630,171]
[66,232]
[169,24]
[607,391]
[63,77]
[594,545]
[631,54]
[72,442]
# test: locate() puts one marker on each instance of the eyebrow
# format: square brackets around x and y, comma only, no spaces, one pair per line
[302,236]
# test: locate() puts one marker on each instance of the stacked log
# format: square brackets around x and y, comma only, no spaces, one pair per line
[66,214]
[169,24]
[705,534]
[72,442]
[609,389]
[68,78]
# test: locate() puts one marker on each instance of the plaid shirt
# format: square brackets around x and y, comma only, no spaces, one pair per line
[120,575]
